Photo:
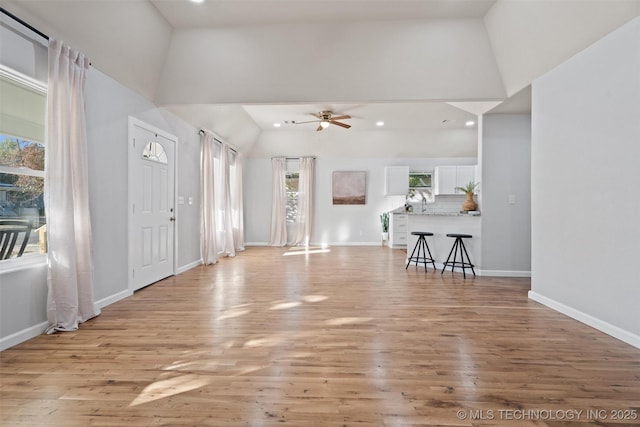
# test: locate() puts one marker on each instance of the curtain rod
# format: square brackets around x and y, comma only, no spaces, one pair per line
[24,23]
[202,132]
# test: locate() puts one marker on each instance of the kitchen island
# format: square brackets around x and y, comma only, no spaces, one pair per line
[441,224]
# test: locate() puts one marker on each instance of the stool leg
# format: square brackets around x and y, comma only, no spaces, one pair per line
[444,267]
[423,243]
[468,259]
[456,245]
[430,257]
[460,247]
[414,251]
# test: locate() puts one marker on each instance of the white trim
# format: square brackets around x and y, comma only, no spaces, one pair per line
[23,335]
[609,329]
[113,298]
[22,171]
[256,244]
[23,79]
[504,273]
[23,263]
[189,266]
[132,123]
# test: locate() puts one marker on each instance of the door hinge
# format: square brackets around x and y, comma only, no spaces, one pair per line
[134,143]
[133,273]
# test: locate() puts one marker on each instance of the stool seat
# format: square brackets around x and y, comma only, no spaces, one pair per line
[458,247]
[421,244]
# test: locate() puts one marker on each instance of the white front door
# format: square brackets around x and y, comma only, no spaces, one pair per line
[151,204]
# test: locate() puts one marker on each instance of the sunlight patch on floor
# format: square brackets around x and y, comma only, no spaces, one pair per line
[338,321]
[307,250]
[285,305]
[229,314]
[171,387]
[314,298]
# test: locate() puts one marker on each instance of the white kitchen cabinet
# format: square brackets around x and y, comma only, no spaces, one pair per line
[447,178]
[398,230]
[396,180]
[465,175]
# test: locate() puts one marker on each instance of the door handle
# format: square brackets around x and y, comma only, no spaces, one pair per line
[172,219]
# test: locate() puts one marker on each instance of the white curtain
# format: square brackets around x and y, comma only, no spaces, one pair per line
[222,217]
[237,206]
[225,207]
[208,229]
[302,233]
[278,202]
[70,252]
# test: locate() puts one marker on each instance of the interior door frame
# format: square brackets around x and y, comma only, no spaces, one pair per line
[131,156]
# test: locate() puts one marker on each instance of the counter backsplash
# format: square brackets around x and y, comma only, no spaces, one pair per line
[443,204]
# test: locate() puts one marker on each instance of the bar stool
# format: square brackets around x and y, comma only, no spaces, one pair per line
[421,244]
[458,246]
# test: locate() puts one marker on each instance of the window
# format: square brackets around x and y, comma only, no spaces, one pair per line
[22,152]
[420,187]
[291,183]
[419,180]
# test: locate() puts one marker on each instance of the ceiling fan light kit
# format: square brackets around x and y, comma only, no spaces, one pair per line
[326,118]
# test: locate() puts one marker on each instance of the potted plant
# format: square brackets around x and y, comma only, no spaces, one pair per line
[469,204]
[384,222]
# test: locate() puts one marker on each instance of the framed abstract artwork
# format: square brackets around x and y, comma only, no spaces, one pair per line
[349,187]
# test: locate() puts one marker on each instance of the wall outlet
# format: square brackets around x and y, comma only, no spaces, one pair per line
[190,200]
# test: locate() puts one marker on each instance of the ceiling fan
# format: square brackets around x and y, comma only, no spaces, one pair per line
[326,118]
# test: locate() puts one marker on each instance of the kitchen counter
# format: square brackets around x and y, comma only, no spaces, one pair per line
[441,224]
[433,213]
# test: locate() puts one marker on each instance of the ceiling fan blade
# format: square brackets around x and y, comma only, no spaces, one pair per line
[319,128]
[344,125]
[346,116]
[310,121]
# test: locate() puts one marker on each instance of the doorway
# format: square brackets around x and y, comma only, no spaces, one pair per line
[152,213]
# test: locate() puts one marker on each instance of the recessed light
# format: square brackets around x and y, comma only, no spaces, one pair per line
[470,123]
[380,123]
[197,1]
[276,125]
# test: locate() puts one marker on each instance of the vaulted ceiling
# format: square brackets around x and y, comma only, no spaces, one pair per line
[279,60]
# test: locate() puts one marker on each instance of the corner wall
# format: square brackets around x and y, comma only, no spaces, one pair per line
[505,188]
[585,174]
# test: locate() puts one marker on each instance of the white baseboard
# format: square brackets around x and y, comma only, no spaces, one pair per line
[113,298]
[23,335]
[256,244]
[504,273]
[189,266]
[601,325]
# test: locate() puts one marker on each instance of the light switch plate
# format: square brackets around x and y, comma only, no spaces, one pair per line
[180,200]
[512,199]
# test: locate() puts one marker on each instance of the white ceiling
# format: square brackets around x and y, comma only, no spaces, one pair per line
[395,115]
[223,13]
[250,63]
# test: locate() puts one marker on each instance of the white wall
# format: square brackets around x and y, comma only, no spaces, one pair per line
[505,172]
[585,174]
[339,224]
[108,105]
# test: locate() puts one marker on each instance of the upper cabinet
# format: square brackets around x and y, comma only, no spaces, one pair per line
[396,180]
[447,178]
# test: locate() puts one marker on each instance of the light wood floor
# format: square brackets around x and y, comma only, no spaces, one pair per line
[339,338]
